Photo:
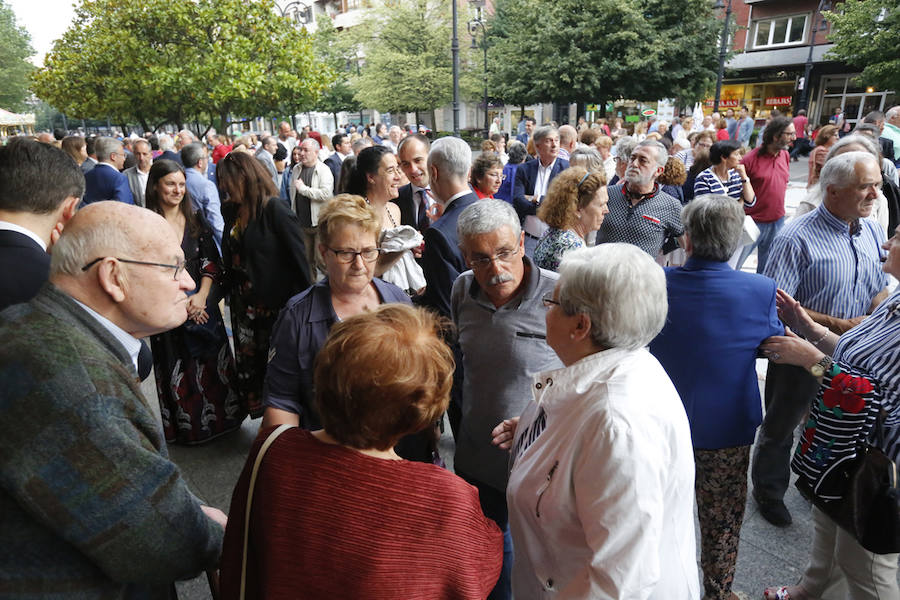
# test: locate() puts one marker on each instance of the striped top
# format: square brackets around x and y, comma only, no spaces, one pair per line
[874,345]
[708,182]
[815,259]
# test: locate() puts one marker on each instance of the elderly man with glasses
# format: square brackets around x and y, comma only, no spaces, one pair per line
[89,497]
[497,309]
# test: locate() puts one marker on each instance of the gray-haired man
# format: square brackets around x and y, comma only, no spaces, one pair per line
[498,311]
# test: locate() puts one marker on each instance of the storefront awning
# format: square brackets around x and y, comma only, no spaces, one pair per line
[782,57]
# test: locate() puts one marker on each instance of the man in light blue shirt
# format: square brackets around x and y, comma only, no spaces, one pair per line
[745,127]
[203,192]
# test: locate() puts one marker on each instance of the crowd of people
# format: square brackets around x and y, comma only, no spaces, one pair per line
[377,280]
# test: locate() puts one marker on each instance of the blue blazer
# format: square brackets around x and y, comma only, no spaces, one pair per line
[442,260]
[25,267]
[104,182]
[526,176]
[717,319]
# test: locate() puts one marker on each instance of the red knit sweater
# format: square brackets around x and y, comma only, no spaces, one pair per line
[329,522]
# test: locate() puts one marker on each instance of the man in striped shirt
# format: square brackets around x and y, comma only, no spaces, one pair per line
[829,260]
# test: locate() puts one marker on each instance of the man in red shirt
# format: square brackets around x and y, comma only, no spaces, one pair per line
[768,168]
[801,144]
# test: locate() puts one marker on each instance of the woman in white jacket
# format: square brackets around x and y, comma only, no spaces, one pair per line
[601,491]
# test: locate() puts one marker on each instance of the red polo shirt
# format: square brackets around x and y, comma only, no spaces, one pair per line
[769,177]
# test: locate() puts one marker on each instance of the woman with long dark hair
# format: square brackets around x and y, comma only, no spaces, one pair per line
[193,364]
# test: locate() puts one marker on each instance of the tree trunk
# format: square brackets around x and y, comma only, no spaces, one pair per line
[433,120]
[416,124]
[334,114]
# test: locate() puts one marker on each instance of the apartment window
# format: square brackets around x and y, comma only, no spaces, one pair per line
[781,31]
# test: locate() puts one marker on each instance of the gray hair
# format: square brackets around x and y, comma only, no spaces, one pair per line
[451,156]
[313,142]
[516,151]
[662,154]
[586,157]
[166,142]
[141,141]
[192,154]
[543,131]
[840,171]
[621,290]
[104,146]
[77,247]
[714,223]
[854,138]
[892,112]
[624,147]
[486,216]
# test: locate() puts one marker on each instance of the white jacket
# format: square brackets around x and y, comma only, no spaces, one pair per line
[317,193]
[601,492]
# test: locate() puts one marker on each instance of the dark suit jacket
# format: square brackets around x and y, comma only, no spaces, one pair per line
[442,260]
[25,267]
[887,148]
[334,163]
[526,176]
[170,155]
[104,182]
[407,205]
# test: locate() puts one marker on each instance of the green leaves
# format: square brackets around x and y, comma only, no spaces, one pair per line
[866,34]
[15,48]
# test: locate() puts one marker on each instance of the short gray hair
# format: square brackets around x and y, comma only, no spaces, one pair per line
[624,147]
[621,290]
[587,157]
[542,132]
[892,112]
[313,142]
[714,223]
[192,154]
[486,216]
[840,171]
[854,138]
[451,156]
[662,154]
[104,146]
[77,247]
[166,142]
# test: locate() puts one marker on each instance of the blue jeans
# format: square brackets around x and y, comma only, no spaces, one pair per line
[767,233]
[493,505]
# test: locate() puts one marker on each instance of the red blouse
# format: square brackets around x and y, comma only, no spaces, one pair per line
[329,522]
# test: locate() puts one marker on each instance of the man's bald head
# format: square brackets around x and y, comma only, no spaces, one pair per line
[568,138]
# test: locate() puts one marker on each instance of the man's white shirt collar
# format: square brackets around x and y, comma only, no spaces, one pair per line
[132,345]
[7,226]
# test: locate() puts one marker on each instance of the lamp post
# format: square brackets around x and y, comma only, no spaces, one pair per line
[723,51]
[807,71]
[454,52]
[473,29]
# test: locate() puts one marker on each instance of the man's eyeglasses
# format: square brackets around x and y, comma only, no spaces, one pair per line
[504,256]
[548,300]
[178,268]
[348,256]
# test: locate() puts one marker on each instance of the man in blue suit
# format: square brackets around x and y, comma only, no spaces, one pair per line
[105,182]
[532,181]
[442,260]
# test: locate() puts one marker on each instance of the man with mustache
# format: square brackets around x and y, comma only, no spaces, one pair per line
[640,213]
[498,310]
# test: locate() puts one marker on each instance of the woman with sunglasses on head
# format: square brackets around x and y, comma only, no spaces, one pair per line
[348,232]
[193,364]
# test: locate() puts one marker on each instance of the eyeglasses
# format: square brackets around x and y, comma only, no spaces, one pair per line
[504,256]
[348,256]
[548,300]
[393,171]
[178,268]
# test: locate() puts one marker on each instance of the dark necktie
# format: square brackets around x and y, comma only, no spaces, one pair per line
[422,220]
[145,361]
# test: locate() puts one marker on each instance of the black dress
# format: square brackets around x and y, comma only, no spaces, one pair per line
[193,363]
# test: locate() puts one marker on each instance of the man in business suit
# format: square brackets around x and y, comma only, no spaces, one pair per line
[266,155]
[167,149]
[525,135]
[105,182]
[342,149]
[414,198]
[442,260]
[40,188]
[203,192]
[90,161]
[532,181]
[138,174]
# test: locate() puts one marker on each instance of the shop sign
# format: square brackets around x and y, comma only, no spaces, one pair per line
[648,112]
[779,101]
[592,107]
[724,103]
[632,118]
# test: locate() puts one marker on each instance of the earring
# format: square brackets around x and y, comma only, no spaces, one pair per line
[571,336]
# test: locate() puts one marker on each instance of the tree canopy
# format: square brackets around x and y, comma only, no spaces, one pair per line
[339,53]
[15,70]
[158,61]
[866,34]
[590,50]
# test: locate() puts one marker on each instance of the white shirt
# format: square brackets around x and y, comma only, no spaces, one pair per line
[543,179]
[601,491]
[7,226]
[142,177]
[131,344]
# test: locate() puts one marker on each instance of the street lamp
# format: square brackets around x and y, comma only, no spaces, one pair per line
[804,85]
[473,29]
[454,53]
[723,51]
[297,11]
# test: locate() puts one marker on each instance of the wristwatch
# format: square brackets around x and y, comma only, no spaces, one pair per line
[821,367]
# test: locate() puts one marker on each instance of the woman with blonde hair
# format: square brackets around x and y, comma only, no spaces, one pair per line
[574,207]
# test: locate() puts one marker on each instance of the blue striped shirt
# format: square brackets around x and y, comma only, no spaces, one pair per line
[816,260]
[874,346]
[708,183]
